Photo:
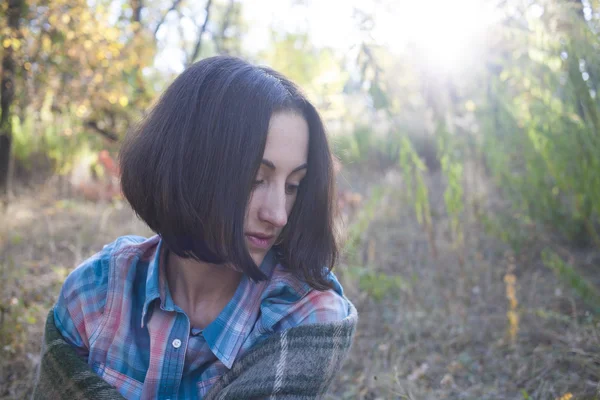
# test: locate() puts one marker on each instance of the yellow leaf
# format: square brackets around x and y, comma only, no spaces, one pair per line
[65,19]
[81,110]
[111,34]
[46,43]
[87,44]
[123,101]
[6,43]
[114,50]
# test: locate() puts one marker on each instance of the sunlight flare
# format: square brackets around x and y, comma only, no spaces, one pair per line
[446,34]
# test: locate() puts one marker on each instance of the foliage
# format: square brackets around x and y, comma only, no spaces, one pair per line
[85,69]
[362,145]
[79,77]
[452,168]
[542,141]
[55,138]
[378,285]
[414,168]
[317,71]
[535,125]
[574,279]
[359,226]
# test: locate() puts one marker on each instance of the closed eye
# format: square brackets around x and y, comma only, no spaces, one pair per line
[291,189]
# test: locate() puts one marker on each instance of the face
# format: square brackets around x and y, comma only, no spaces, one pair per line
[276,185]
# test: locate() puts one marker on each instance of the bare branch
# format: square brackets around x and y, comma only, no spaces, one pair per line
[163,18]
[220,41]
[198,45]
[106,134]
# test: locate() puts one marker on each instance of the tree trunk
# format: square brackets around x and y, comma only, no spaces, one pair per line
[136,8]
[136,18]
[7,94]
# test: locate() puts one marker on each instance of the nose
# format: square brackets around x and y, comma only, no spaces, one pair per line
[274,210]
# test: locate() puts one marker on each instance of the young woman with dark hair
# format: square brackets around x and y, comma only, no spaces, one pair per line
[234,297]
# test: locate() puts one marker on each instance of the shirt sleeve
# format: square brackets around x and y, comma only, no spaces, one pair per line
[314,308]
[80,305]
[290,303]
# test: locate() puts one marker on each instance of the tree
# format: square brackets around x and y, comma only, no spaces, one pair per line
[10,43]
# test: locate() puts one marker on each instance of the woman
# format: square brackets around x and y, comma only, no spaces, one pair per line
[234,297]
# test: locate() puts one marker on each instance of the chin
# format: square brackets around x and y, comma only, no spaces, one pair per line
[258,257]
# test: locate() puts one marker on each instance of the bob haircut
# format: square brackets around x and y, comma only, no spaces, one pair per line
[188,169]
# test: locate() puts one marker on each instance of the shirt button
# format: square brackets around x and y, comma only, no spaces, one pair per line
[176,343]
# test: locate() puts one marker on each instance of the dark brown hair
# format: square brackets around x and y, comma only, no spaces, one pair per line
[189,166]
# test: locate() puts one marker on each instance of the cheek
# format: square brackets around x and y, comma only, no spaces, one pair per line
[250,209]
[289,204]
[256,197]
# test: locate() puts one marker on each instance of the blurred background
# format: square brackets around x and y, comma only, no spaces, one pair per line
[468,139]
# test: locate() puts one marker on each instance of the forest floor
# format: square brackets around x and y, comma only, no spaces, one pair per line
[433,320]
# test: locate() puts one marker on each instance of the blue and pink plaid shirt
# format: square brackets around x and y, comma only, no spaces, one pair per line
[117,311]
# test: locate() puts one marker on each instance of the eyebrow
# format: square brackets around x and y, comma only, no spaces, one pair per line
[270,164]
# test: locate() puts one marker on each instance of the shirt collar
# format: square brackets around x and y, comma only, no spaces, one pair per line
[226,334]
[152,280]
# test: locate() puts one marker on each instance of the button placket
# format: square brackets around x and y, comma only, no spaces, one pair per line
[176,357]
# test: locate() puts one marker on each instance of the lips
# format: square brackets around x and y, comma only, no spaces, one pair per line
[260,240]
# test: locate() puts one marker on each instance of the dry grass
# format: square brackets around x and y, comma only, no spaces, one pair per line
[440,332]
[446,333]
[43,236]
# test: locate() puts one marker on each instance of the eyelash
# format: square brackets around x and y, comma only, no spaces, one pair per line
[290,189]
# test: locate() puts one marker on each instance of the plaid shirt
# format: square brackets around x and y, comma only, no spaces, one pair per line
[116,310]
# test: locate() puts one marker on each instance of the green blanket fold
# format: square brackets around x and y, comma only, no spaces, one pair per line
[299,363]
[64,375]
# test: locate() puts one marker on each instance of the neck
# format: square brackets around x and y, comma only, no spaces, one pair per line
[200,289]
